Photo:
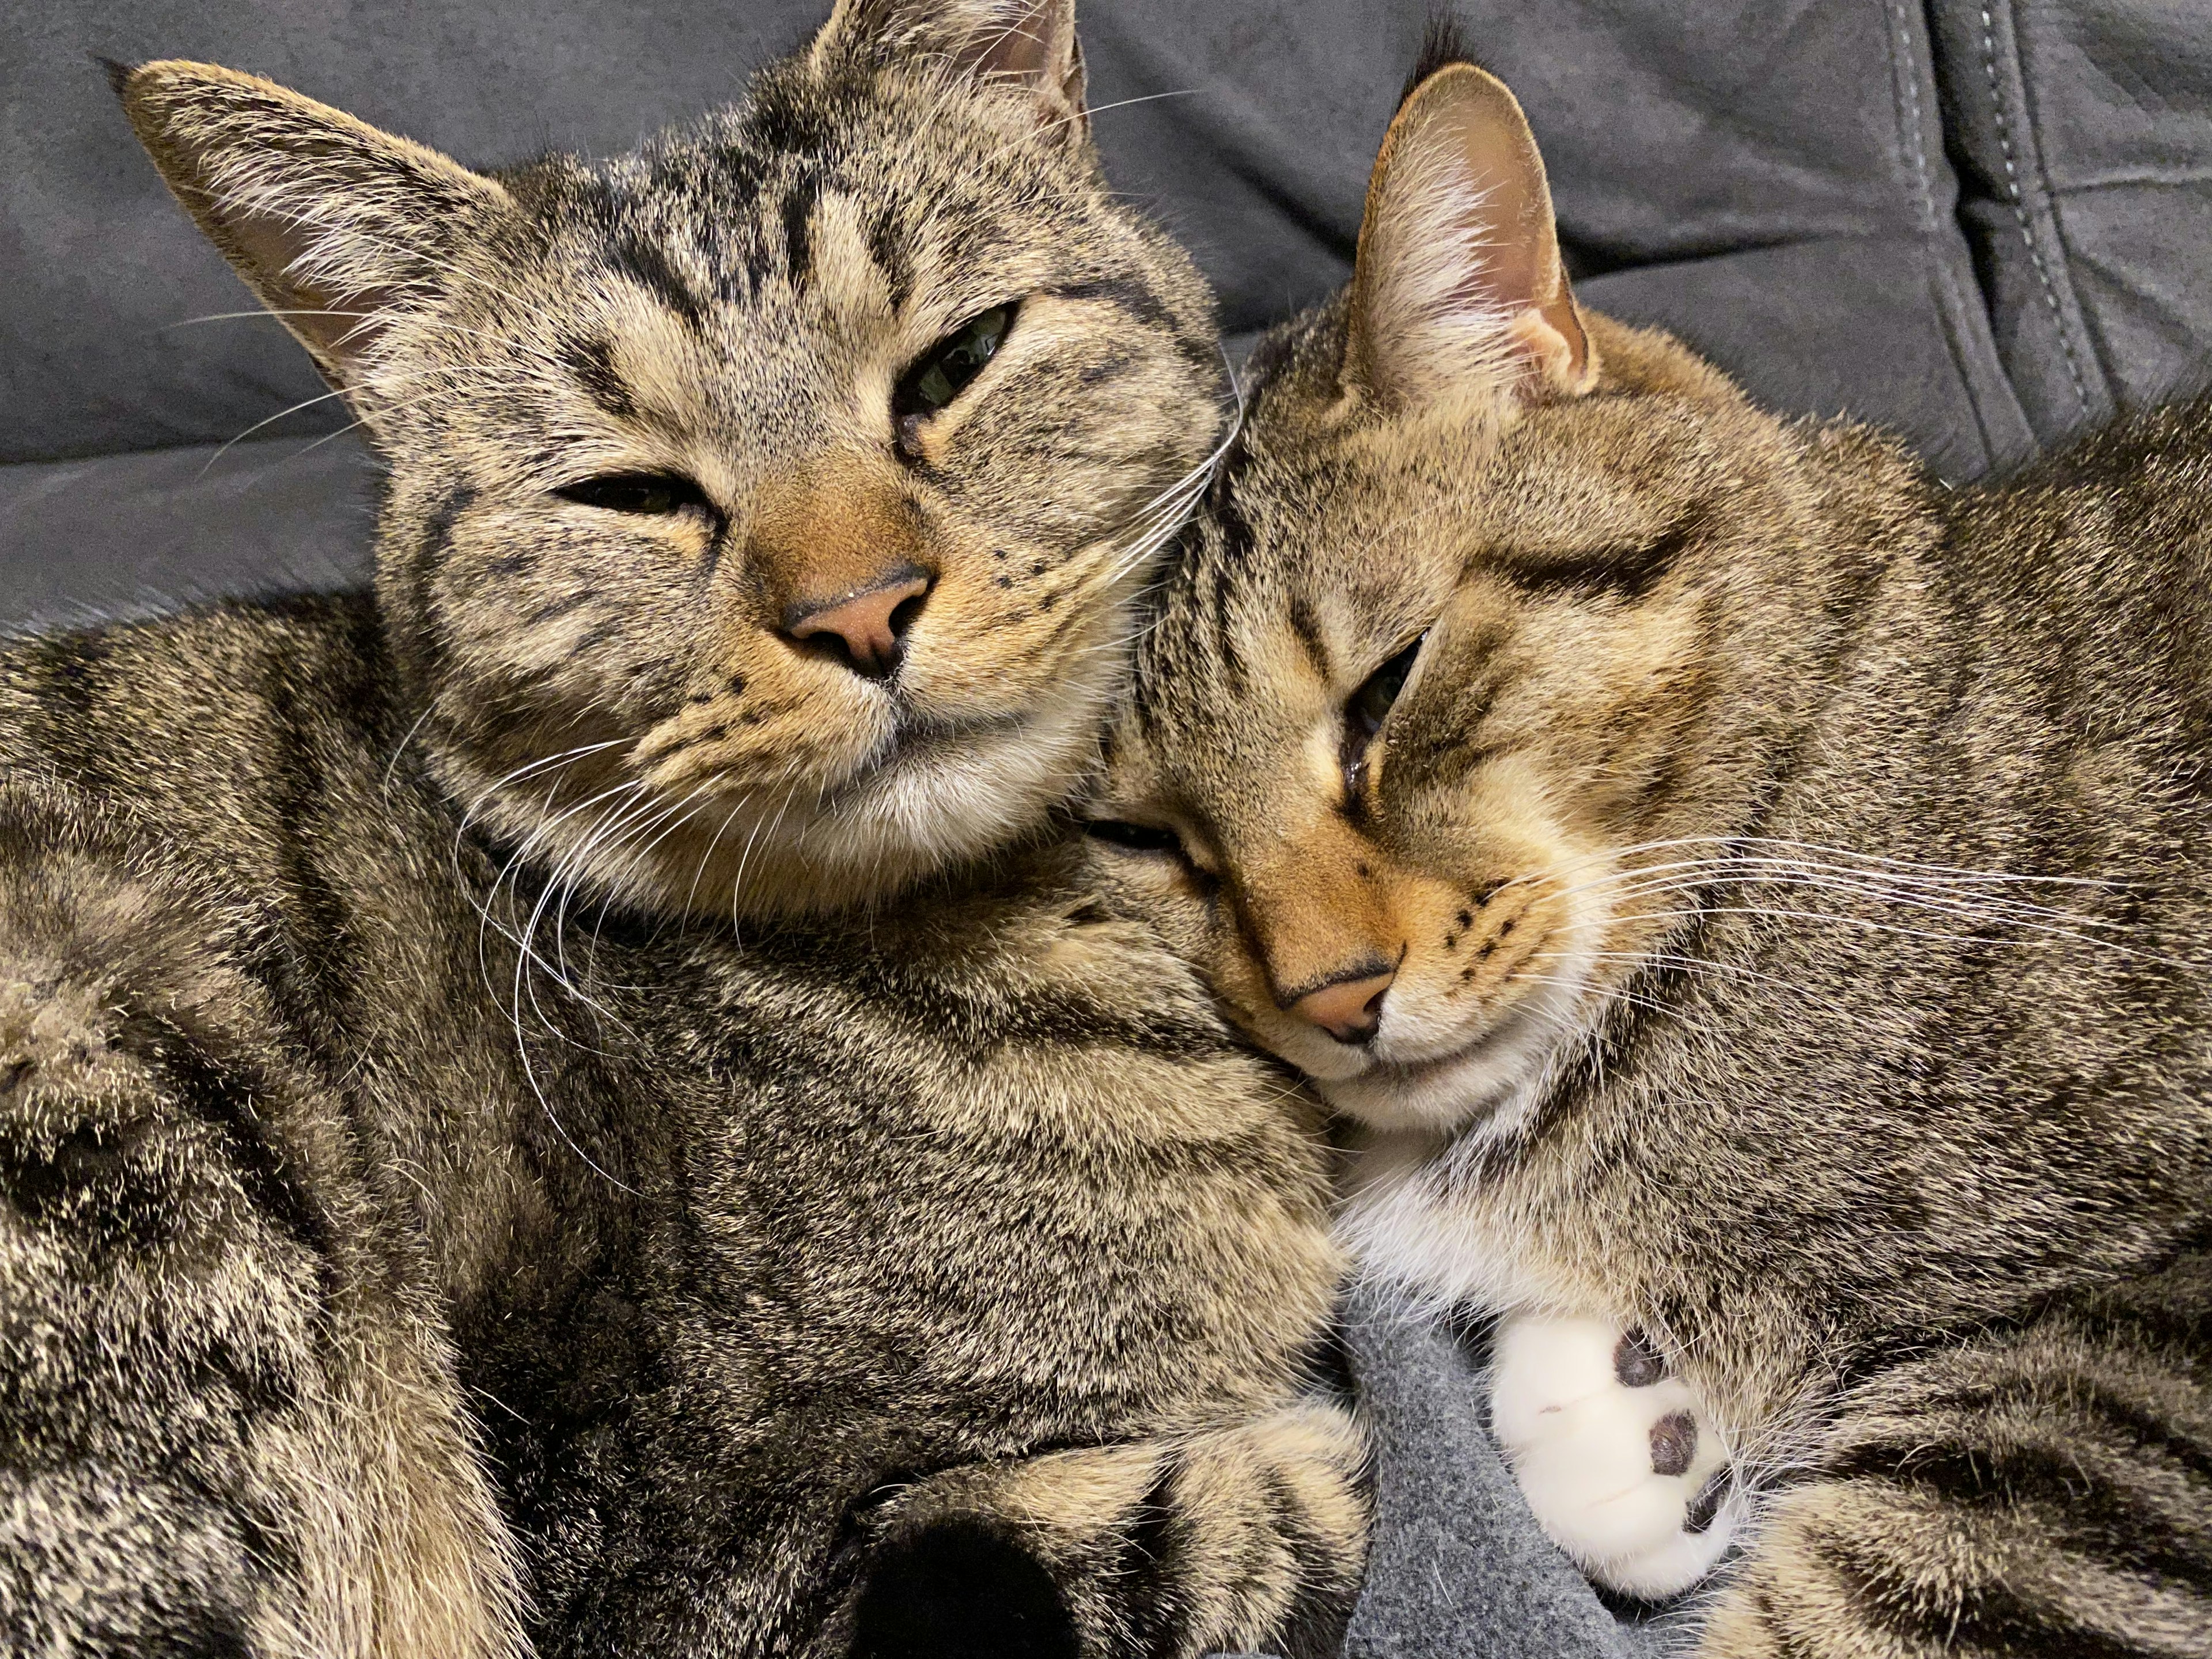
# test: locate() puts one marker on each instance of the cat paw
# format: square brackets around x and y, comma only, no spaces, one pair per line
[1614,1453]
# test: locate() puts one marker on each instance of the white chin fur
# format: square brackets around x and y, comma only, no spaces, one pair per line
[1498,1075]
[945,803]
[1581,1442]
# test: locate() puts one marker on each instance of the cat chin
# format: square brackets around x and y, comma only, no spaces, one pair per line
[941,798]
[1479,1082]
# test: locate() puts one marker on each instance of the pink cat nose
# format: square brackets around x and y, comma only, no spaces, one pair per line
[867,630]
[1350,1010]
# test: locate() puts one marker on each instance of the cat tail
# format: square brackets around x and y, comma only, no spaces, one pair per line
[1248,1537]
[229,1421]
[2044,1491]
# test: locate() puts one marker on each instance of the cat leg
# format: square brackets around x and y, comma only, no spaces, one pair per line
[1617,1457]
[1245,1539]
[226,1424]
[2042,1493]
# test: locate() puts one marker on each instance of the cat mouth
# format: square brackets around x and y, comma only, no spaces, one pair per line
[1463,1084]
[924,741]
[1508,1032]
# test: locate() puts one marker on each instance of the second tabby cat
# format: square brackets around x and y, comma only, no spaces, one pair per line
[1753,902]
[432,1223]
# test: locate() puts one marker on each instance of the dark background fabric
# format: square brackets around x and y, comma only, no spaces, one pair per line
[1983,226]
[1984,223]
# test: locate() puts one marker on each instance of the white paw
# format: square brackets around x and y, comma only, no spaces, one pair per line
[1616,1455]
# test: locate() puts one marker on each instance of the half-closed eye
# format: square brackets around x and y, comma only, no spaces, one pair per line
[1134,837]
[1371,705]
[649,493]
[944,371]
[1366,709]
[1154,841]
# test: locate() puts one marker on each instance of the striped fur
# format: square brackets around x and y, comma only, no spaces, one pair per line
[1787,883]
[429,1226]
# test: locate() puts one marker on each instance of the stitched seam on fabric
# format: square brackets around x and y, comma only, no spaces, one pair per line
[1950,307]
[2020,210]
[1901,65]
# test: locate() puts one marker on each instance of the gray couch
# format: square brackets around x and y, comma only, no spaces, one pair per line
[1984,225]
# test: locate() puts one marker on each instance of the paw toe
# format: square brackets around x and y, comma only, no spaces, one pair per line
[1673,1443]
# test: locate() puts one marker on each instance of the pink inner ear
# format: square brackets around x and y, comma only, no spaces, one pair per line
[1459,270]
[271,246]
[1018,42]
[1508,205]
[1032,42]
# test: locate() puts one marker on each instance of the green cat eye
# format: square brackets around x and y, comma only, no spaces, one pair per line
[637,492]
[944,371]
[1369,705]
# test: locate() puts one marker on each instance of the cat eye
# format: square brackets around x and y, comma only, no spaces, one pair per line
[943,372]
[1369,706]
[648,493]
[1365,710]
[1137,838]
[1151,838]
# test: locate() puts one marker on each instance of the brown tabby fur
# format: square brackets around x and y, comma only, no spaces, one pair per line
[1790,881]
[426,1225]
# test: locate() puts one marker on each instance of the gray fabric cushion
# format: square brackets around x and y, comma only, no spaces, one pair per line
[2082,132]
[1775,185]
[129,535]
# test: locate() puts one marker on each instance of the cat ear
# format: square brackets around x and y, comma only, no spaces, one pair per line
[1028,45]
[334,225]
[1459,277]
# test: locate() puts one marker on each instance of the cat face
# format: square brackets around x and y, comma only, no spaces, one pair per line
[1469,635]
[765,507]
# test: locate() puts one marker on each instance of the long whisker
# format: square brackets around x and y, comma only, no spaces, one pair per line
[1835,919]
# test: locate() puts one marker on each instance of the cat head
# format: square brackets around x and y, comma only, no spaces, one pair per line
[1486,624]
[765,507]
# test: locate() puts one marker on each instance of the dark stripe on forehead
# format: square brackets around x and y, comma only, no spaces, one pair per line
[887,247]
[648,264]
[798,208]
[1142,305]
[1231,661]
[591,361]
[1126,293]
[1307,627]
[1233,531]
[1189,639]
[1628,574]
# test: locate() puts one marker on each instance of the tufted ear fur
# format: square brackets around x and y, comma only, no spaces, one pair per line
[1459,277]
[1026,44]
[335,225]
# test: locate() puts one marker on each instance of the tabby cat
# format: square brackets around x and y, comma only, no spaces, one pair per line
[570,1100]
[1751,904]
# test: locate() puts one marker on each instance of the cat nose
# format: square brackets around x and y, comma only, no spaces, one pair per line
[1350,1007]
[866,627]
